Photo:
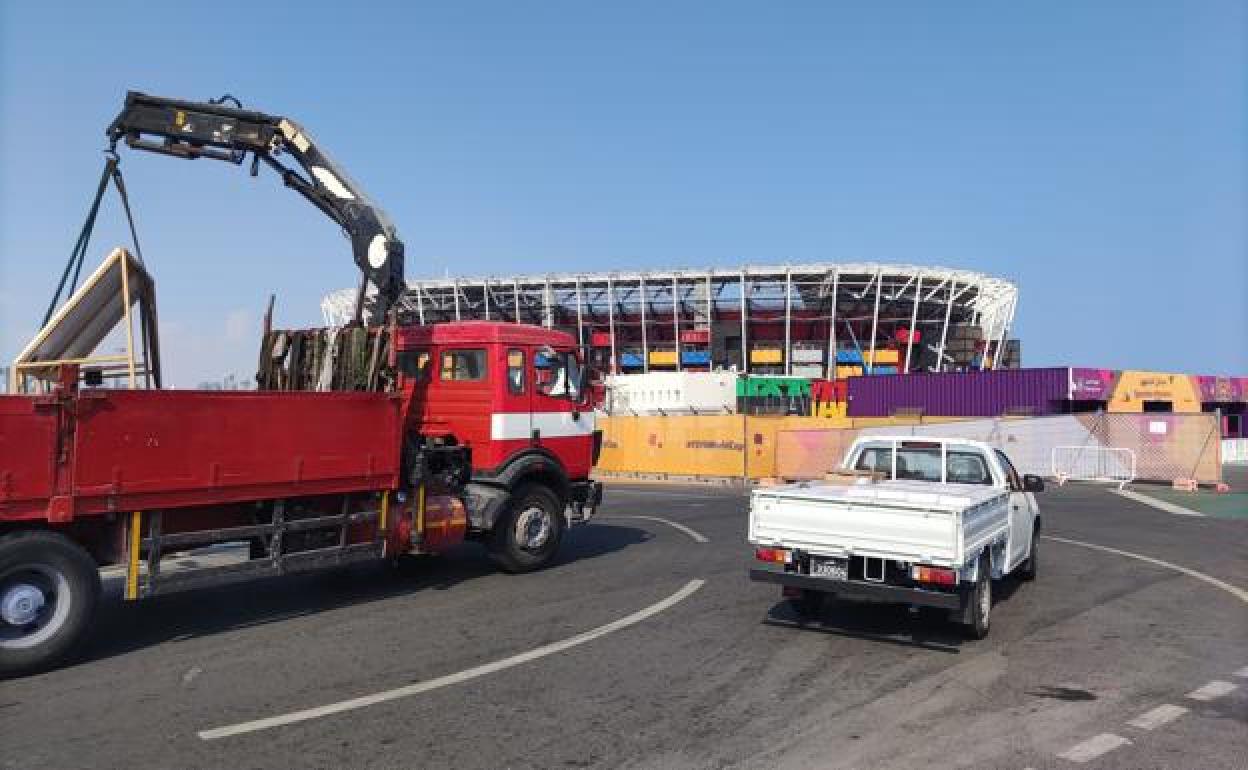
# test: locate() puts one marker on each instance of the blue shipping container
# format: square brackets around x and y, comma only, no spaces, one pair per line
[848,356]
[695,357]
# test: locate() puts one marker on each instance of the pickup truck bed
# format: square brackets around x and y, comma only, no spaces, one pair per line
[900,520]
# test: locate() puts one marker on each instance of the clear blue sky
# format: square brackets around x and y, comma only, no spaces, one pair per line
[1092,152]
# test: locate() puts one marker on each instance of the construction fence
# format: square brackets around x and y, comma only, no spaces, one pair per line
[1164,446]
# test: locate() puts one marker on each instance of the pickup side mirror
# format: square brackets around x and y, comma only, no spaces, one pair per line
[1032,483]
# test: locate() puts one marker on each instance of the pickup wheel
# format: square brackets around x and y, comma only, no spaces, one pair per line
[1027,570]
[49,587]
[979,611]
[808,605]
[527,533]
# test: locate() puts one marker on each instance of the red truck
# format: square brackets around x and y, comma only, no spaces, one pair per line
[488,434]
[483,430]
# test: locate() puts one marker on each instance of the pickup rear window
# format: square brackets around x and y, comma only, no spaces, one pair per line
[923,464]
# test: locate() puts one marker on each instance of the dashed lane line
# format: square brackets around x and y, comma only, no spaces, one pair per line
[698,537]
[1160,505]
[1093,747]
[1215,689]
[1235,591]
[459,677]
[1154,718]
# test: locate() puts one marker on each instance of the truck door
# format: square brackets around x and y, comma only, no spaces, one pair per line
[1022,511]
[563,420]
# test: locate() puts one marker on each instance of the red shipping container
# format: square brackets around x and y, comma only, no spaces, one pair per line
[696,336]
[600,339]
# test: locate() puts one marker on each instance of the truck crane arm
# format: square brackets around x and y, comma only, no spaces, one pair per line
[190,130]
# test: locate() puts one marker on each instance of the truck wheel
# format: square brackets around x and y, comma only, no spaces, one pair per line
[527,534]
[979,612]
[1027,570]
[49,587]
[808,605]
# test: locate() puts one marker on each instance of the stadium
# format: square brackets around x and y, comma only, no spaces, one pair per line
[820,320]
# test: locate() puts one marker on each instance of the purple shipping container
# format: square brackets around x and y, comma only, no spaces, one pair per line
[962,394]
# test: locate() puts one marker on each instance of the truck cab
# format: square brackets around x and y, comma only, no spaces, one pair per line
[517,397]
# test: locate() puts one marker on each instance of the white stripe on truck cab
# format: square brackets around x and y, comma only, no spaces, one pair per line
[505,426]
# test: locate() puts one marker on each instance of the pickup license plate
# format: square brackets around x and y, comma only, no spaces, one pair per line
[836,569]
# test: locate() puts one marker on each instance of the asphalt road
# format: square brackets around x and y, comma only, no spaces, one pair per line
[721,677]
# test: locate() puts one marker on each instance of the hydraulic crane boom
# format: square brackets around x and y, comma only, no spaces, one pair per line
[191,130]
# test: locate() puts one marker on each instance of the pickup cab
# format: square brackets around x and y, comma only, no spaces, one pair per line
[925,522]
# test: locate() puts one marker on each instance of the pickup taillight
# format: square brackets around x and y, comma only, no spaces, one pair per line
[773,555]
[941,576]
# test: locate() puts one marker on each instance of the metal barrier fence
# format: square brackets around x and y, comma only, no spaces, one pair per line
[1089,463]
[1165,446]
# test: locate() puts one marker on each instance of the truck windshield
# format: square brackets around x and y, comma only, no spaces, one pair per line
[924,464]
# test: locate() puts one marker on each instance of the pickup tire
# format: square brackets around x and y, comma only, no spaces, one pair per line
[49,588]
[808,604]
[979,602]
[527,533]
[1027,570]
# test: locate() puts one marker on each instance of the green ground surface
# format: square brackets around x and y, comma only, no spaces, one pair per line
[1233,505]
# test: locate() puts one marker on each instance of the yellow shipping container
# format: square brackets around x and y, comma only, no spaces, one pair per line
[662,357]
[848,371]
[766,356]
[882,357]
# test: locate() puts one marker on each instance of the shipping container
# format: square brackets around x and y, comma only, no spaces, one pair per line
[814,371]
[662,357]
[695,357]
[631,360]
[600,339]
[845,372]
[962,394]
[848,356]
[883,356]
[806,354]
[696,336]
[768,355]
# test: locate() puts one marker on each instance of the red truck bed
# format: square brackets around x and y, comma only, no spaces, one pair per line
[98,451]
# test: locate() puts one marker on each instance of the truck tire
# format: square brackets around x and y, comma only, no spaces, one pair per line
[808,605]
[1027,570]
[979,602]
[527,533]
[49,588]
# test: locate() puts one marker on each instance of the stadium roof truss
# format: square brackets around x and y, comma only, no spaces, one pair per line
[867,295]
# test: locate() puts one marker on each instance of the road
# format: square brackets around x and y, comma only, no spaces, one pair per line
[689,664]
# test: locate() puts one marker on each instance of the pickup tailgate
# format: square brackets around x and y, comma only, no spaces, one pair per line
[903,520]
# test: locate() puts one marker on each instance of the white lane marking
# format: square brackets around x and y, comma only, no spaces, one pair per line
[698,537]
[1160,505]
[352,704]
[1243,672]
[1093,747]
[1235,591]
[1215,689]
[1154,718]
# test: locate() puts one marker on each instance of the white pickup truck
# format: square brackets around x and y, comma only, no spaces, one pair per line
[926,522]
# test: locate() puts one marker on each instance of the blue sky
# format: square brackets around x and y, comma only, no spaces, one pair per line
[1093,152]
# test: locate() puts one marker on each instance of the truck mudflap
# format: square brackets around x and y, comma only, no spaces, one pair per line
[858,590]
[584,497]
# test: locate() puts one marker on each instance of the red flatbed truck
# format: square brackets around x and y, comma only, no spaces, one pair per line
[485,431]
[493,443]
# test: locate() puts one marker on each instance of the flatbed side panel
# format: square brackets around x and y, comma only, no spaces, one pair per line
[831,527]
[148,449]
[27,456]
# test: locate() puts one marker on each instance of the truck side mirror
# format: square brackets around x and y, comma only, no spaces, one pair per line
[1032,483]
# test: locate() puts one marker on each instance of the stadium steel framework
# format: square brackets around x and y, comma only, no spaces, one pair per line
[777,319]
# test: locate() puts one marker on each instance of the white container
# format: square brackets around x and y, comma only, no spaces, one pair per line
[814,371]
[806,356]
[672,393]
